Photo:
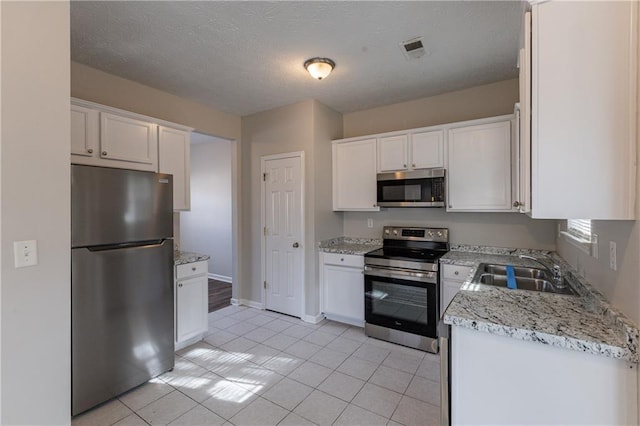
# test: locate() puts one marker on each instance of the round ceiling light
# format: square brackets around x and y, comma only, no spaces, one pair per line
[319,68]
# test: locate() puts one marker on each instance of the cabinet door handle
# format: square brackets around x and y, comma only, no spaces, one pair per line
[516,204]
[413,165]
[193,269]
[104,152]
[180,285]
[456,273]
[296,245]
[90,151]
[404,166]
[342,259]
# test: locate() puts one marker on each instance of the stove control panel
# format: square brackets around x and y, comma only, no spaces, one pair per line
[415,233]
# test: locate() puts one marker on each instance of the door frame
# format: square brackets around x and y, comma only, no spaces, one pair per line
[263,223]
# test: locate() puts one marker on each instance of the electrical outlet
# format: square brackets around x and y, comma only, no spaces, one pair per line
[25,253]
[369,223]
[612,256]
[594,246]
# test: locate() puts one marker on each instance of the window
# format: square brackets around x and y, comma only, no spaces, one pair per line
[580,228]
[579,234]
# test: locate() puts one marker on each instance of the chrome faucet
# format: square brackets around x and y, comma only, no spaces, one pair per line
[555,272]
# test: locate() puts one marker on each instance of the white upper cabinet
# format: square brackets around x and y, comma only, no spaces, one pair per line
[84,131]
[583,109]
[130,140]
[410,151]
[479,166]
[392,153]
[354,175]
[109,137]
[173,158]
[427,149]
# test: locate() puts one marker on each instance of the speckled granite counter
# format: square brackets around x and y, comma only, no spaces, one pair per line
[587,323]
[182,257]
[350,245]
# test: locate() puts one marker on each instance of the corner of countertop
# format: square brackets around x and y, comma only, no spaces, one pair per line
[181,257]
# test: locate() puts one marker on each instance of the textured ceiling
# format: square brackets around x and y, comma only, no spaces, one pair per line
[246,57]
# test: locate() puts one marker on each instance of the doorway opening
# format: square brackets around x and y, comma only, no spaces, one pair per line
[208,227]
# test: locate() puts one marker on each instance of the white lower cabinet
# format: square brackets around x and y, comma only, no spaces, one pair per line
[342,282]
[191,306]
[499,380]
[451,279]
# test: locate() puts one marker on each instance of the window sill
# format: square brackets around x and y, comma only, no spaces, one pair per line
[581,244]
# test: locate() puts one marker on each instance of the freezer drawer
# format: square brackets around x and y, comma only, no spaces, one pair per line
[122,320]
[110,206]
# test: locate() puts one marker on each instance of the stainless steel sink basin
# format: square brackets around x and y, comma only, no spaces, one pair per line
[518,270]
[531,279]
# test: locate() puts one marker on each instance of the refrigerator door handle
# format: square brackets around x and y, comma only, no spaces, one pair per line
[151,243]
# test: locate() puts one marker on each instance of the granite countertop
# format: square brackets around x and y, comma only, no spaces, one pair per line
[350,245]
[182,257]
[586,323]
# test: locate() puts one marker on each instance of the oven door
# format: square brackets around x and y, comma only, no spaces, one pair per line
[400,300]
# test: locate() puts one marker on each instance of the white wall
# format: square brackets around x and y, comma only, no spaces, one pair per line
[34,174]
[487,229]
[207,227]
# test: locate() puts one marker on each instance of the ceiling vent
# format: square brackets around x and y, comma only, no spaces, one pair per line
[413,49]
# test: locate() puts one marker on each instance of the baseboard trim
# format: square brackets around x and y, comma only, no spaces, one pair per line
[313,319]
[222,278]
[245,302]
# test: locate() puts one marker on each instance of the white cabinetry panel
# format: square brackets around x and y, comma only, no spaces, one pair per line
[191,303]
[130,140]
[354,175]
[427,149]
[584,109]
[84,132]
[479,171]
[342,282]
[392,153]
[173,158]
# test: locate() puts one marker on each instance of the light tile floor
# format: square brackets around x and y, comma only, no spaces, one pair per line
[262,368]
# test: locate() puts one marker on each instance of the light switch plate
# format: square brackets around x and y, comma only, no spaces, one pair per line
[25,253]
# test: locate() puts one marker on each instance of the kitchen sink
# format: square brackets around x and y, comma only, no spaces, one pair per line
[532,279]
[518,270]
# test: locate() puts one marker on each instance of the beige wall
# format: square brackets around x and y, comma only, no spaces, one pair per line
[493,229]
[488,229]
[288,129]
[621,287]
[477,102]
[97,86]
[34,174]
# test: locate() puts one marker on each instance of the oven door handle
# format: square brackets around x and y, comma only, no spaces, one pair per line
[400,274]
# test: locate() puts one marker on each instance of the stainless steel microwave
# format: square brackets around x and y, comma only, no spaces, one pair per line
[417,188]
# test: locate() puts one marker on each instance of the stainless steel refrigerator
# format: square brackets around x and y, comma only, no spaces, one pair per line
[121,281]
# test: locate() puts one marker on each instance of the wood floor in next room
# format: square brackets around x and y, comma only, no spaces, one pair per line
[219,294]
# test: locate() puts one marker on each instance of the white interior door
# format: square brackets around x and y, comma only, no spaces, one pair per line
[283,234]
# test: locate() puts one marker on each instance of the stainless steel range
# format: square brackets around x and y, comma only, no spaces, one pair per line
[402,291]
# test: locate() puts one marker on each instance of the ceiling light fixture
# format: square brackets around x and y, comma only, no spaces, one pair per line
[319,68]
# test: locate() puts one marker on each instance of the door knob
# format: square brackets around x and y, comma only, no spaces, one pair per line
[296,245]
[104,152]
[90,151]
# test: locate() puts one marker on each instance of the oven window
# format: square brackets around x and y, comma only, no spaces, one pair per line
[401,302]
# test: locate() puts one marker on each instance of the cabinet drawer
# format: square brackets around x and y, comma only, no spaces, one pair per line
[190,269]
[455,272]
[352,260]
